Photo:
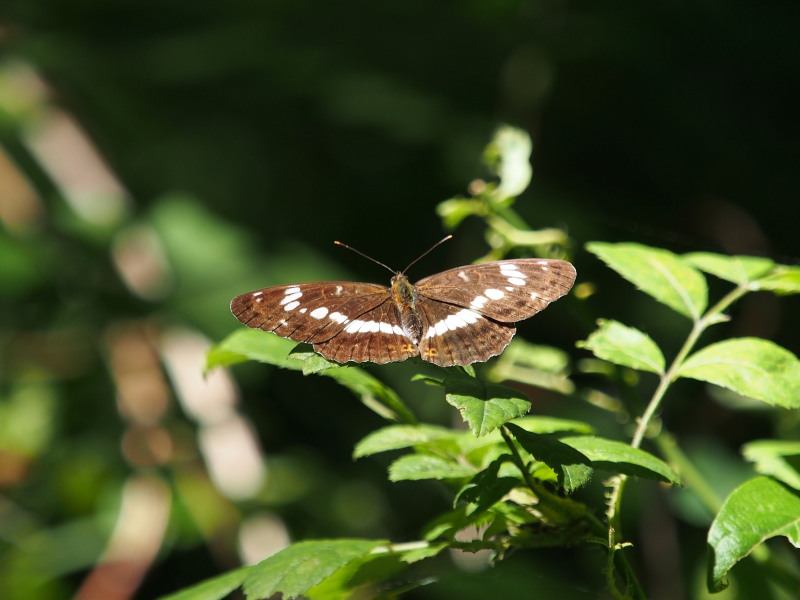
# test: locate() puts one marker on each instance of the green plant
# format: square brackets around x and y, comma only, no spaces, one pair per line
[514,477]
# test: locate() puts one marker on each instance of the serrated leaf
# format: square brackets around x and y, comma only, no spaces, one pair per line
[414,467]
[783,280]
[395,437]
[617,457]
[296,569]
[572,467]
[752,367]
[736,269]
[659,273]
[484,406]
[543,424]
[215,588]
[626,346]
[757,510]
[265,347]
[778,458]
[252,344]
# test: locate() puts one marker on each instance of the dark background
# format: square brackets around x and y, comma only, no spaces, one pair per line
[250,135]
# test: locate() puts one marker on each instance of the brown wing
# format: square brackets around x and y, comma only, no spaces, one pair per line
[505,290]
[375,336]
[454,335]
[309,312]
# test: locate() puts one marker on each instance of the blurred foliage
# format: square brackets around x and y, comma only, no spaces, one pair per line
[230,144]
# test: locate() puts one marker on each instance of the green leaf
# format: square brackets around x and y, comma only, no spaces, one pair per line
[484,406]
[265,347]
[779,458]
[659,273]
[617,457]
[757,510]
[509,153]
[736,269]
[216,588]
[252,344]
[572,467]
[752,367]
[543,424]
[782,280]
[395,437]
[414,467]
[626,346]
[296,569]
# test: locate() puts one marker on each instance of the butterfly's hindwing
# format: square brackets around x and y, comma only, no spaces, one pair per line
[376,336]
[454,335]
[308,312]
[506,290]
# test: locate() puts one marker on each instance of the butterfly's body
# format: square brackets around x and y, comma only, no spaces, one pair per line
[457,317]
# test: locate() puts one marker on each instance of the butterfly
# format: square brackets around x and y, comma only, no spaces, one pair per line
[457,317]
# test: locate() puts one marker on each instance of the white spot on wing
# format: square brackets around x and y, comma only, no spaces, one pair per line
[478,302]
[338,317]
[303,310]
[494,294]
[463,276]
[385,328]
[291,297]
[291,305]
[257,293]
[292,290]
[516,281]
[319,313]
[259,299]
[354,326]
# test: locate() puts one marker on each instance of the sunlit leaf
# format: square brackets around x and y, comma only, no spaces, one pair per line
[421,466]
[216,588]
[779,458]
[752,367]
[296,569]
[395,437]
[265,347]
[736,269]
[757,510]
[783,280]
[617,457]
[484,406]
[626,346]
[659,273]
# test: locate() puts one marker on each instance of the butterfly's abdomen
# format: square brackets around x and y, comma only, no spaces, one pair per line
[405,299]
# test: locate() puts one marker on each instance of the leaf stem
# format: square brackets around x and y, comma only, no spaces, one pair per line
[711,316]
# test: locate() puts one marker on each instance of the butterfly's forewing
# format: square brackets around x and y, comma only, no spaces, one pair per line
[504,290]
[309,312]
[454,335]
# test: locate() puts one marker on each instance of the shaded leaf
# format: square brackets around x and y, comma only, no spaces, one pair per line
[617,457]
[572,467]
[296,569]
[736,269]
[752,367]
[414,467]
[754,512]
[486,488]
[484,406]
[626,346]
[659,273]
[779,458]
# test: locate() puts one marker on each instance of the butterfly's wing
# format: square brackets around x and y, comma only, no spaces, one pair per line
[344,320]
[454,335]
[505,290]
[375,336]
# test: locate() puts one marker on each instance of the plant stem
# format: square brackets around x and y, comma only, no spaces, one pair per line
[711,316]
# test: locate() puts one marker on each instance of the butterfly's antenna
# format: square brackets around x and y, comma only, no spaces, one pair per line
[428,251]
[377,262]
